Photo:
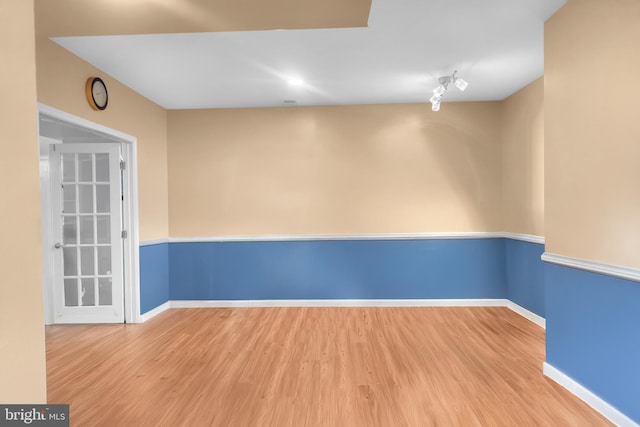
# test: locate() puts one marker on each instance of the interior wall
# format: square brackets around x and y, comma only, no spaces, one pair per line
[523,160]
[22,349]
[592,135]
[61,78]
[335,170]
[592,129]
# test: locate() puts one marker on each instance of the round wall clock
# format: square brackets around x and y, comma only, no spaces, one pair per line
[96,92]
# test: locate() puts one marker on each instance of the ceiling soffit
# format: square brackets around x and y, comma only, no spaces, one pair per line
[59,18]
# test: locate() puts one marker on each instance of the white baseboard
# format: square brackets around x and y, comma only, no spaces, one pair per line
[324,303]
[590,398]
[498,302]
[154,312]
[341,303]
[538,320]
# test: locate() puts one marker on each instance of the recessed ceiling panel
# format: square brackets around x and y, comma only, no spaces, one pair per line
[496,46]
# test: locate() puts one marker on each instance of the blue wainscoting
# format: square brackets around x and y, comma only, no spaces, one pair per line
[468,268]
[593,333]
[525,274]
[338,269]
[154,276]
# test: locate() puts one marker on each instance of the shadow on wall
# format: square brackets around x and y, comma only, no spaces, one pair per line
[335,170]
[464,147]
[399,168]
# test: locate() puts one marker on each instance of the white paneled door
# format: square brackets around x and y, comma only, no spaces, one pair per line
[86,194]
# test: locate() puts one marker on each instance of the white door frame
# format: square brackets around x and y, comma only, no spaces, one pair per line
[130,214]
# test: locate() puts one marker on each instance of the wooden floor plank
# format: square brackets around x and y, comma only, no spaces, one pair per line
[429,366]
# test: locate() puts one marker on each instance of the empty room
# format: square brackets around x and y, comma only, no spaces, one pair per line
[336,213]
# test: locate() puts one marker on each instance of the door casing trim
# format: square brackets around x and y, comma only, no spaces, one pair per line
[131,251]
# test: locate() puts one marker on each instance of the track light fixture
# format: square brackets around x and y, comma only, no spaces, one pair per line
[439,91]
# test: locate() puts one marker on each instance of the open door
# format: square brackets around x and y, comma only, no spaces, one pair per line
[86,204]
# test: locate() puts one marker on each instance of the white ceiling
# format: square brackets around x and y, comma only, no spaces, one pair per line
[496,45]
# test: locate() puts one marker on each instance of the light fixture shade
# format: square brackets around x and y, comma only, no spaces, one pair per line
[439,90]
[461,84]
[443,86]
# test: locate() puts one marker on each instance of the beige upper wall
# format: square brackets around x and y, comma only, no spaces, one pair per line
[333,170]
[592,131]
[61,78]
[332,164]
[107,17]
[22,349]
[523,160]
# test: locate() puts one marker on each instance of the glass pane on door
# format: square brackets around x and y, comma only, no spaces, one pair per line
[103,200]
[87,261]
[88,292]
[85,167]
[70,256]
[86,229]
[103,229]
[69,229]
[105,293]
[86,198]
[70,292]
[102,167]
[69,198]
[68,167]
[104,260]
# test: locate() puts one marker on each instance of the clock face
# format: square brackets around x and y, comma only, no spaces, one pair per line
[97,93]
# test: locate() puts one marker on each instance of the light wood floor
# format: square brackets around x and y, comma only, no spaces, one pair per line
[435,366]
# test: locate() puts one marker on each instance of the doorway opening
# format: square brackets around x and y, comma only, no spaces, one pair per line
[89,204]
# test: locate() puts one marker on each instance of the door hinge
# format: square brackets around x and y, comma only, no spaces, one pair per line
[123,164]
[124,234]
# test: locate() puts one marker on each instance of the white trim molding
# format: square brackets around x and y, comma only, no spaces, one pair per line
[314,237]
[524,237]
[382,236]
[154,312]
[593,266]
[81,122]
[152,242]
[340,303]
[529,315]
[311,237]
[589,397]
